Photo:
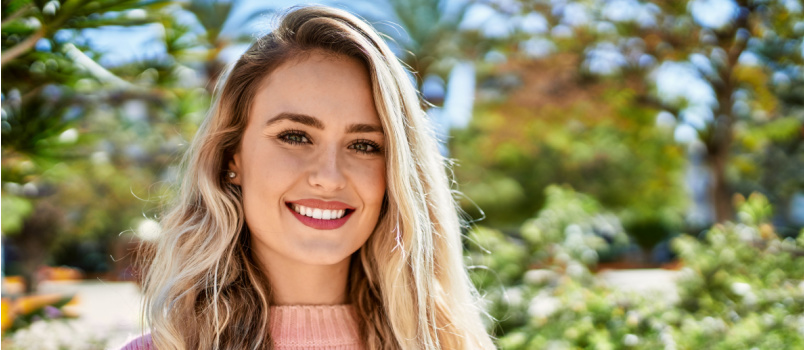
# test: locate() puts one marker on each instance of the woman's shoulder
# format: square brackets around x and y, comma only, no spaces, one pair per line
[142,342]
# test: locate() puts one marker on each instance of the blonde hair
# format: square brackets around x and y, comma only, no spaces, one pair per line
[408,283]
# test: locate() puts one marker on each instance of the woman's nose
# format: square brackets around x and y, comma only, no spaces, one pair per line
[327,173]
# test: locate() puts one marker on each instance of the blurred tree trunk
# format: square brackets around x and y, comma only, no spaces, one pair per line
[719,139]
[720,191]
[35,240]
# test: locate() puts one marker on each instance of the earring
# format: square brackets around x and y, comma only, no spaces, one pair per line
[232,174]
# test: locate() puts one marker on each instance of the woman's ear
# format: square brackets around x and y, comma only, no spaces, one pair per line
[234,174]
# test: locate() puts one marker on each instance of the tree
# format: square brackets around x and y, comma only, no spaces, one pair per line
[50,82]
[732,57]
[552,126]
[88,149]
[427,37]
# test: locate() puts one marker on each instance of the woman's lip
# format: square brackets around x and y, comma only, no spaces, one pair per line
[320,204]
[321,224]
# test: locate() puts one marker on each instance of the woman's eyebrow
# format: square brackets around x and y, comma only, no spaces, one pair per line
[363,128]
[316,123]
[298,118]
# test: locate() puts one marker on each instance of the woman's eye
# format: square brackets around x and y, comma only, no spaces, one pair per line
[294,138]
[365,147]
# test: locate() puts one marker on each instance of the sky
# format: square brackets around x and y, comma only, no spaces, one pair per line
[116,42]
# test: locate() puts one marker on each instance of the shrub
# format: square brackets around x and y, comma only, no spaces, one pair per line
[741,285]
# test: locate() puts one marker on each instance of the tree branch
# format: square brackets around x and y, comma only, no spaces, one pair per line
[652,102]
[17,14]
[22,47]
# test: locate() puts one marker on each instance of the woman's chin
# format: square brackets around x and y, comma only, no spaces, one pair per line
[322,254]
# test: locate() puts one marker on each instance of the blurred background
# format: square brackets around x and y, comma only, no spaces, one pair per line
[632,172]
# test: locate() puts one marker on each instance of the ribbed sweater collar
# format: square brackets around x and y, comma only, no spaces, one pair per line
[314,327]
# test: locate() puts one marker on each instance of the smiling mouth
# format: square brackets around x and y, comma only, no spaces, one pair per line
[317,213]
[320,219]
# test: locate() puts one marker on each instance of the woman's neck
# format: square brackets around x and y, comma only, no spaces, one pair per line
[295,283]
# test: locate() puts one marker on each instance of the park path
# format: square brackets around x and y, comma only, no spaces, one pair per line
[110,310]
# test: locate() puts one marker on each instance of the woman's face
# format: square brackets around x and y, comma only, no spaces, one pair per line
[311,163]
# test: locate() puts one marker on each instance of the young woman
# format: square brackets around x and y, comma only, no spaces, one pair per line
[315,210]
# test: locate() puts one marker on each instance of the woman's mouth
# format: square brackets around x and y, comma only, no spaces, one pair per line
[316,213]
[318,218]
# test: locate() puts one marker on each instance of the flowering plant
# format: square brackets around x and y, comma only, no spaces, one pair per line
[21,312]
[741,285]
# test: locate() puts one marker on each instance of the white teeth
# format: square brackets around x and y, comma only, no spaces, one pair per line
[321,214]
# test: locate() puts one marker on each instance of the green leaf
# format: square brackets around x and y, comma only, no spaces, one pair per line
[15,210]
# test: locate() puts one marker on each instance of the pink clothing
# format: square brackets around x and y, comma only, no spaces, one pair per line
[141,343]
[325,327]
[306,327]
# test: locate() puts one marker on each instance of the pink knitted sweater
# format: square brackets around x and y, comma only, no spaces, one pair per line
[325,327]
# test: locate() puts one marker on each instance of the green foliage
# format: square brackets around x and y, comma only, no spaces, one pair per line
[15,210]
[572,226]
[96,143]
[741,287]
[505,266]
[609,149]
[569,236]
[749,132]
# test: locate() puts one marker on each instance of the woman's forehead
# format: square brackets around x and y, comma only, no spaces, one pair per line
[332,88]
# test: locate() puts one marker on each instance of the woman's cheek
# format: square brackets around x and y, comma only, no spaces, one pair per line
[278,161]
[373,178]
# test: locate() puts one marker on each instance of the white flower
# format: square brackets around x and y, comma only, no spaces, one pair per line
[69,136]
[740,288]
[51,335]
[514,295]
[539,276]
[713,325]
[99,158]
[630,340]
[575,270]
[543,305]
[632,318]
[589,256]
[750,299]
[562,258]
[32,23]
[50,8]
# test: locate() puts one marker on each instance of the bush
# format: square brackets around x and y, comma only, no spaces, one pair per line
[741,285]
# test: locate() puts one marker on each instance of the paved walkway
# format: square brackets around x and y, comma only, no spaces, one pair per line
[111,310]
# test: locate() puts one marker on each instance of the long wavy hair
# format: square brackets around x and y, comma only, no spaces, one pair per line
[408,283]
